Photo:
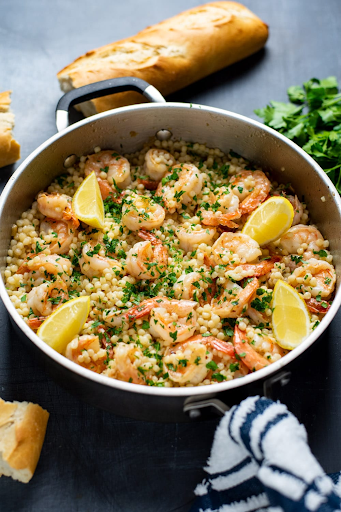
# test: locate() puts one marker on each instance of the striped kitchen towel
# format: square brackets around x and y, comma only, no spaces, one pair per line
[260,461]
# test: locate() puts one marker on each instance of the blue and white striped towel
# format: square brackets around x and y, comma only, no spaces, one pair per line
[261,461]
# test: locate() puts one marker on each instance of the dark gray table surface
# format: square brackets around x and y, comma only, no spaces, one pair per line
[93,460]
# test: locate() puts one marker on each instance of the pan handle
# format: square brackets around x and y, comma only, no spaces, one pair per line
[103,88]
[208,405]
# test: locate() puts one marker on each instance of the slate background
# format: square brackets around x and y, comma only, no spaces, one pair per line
[93,460]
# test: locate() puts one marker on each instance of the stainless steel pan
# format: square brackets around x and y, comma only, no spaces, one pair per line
[125,130]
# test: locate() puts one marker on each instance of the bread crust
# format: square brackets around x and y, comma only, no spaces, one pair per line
[22,431]
[171,54]
[9,147]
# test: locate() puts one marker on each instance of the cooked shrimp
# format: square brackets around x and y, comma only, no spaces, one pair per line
[157,163]
[319,308]
[147,260]
[60,234]
[246,353]
[118,317]
[298,209]
[141,212]
[46,297]
[94,262]
[170,319]
[233,302]
[258,317]
[317,277]
[173,320]
[180,186]
[189,286]
[231,247]
[148,184]
[57,207]
[220,208]
[40,266]
[252,188]
[300,236]
[186,362]
[262,268]
[210,218]
[109,167]
[86,351]
[192,236]
[127,361]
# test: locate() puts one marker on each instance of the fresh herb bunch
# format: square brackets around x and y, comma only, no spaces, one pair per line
[313,121]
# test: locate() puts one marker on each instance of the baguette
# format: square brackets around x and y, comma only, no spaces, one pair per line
[22,432]
[9,147]
[171,54]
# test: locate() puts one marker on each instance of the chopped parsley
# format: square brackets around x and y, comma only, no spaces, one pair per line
[212,365]
[322,253]
[218,377]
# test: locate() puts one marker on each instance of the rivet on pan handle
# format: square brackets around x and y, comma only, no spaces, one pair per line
[103,88]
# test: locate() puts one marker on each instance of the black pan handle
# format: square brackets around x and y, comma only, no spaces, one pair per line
[103,88]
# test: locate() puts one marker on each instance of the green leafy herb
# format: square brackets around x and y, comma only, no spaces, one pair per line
[263,303]
[218,377]
[321,253]
[234,367]
[212,365]
[183,362]
[313,121]
[295,258]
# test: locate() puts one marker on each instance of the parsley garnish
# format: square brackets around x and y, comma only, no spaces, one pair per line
[296,259]
[212,365]
[321,253]
[234,367]
[312,120]
[218,377]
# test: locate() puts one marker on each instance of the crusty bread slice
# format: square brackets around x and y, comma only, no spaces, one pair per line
[171,54]
[9,147]
[22,432]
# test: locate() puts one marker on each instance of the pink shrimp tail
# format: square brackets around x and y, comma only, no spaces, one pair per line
[316,307]
[23,267]
[105,188]
[210,218]
[69,215]
[148,184]
[245,353]
[35,323]
[143,309]
[150,237]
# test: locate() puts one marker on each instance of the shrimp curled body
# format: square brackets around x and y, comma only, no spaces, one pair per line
[110,168]
[86,351]
[141,212]
[157,162]
[147,260]
[61,233]
[186,362]
[56,206]
[179,186]
[252,188]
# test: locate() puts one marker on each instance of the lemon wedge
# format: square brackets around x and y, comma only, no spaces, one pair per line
[87,203]
[290,317]
[65,323]
[270,220]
